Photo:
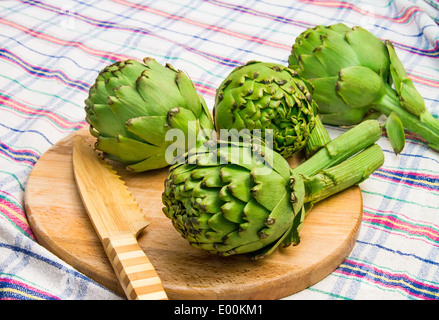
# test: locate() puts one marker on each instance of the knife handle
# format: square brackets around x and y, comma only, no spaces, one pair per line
[136,274]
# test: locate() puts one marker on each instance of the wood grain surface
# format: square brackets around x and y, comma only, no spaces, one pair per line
[117,220]
[61,224]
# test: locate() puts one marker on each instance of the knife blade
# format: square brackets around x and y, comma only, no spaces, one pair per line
[117,219]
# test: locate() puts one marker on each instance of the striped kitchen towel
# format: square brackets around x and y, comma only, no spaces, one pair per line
[51,52]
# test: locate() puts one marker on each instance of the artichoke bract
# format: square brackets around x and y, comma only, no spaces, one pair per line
[133,105]
[357,76]
[244,198]
[264,95]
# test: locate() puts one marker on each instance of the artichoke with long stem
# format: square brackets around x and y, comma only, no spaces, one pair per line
[132,106]
[356,76]
[237,198]
[266,96]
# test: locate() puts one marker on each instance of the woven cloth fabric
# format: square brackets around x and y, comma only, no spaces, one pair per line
[51,52]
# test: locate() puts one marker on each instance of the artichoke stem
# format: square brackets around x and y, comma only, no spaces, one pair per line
[425,126]
[318,138]
[341,148]
[344,175]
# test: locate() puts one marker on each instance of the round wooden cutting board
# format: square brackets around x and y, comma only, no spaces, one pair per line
[60,224]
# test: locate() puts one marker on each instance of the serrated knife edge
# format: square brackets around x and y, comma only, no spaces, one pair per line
[117,219]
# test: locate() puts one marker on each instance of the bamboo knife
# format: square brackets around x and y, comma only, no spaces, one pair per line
[117,219]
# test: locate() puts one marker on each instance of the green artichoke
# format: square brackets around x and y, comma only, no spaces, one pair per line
[261,96]
[244,198]
[132,106]
[356,76]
